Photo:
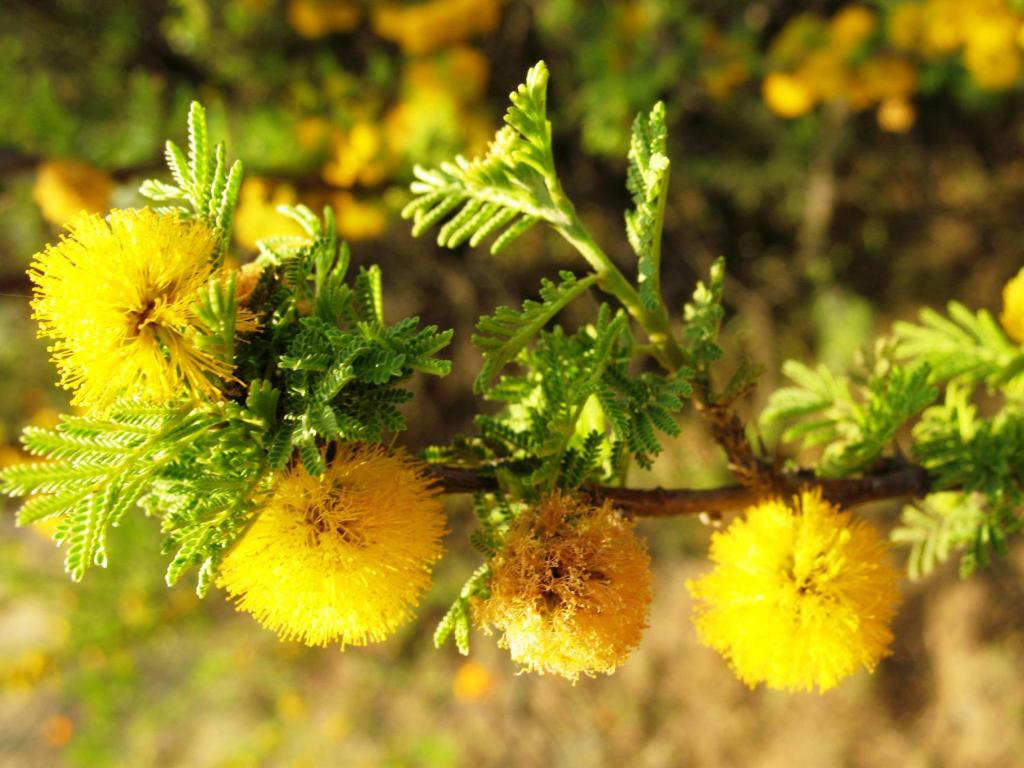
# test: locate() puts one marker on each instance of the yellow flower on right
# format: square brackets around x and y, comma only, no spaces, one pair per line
[1013,308]
[801,595]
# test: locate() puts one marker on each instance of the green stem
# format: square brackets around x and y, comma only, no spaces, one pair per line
[655,323]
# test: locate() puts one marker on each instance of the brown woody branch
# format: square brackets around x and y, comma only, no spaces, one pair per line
[907,480]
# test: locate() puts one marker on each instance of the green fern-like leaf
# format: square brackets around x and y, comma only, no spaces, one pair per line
[580,465]
[935,528]
[506,191]
[647,182]
[816,403]
[218,312]
[965,347]
[891,401]
[99,469]
[204,187]
[855,425]
[456,621]
[502,335]
[963,450]
[639,407]
[703,315]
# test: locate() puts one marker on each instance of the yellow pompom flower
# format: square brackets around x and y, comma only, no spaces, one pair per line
[118,295]
[801,595]
[570,589]
[1013,308]
[343,557]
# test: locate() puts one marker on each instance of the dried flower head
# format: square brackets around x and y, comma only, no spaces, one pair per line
[118,295]
[801,596]
[570,589]
[343,557]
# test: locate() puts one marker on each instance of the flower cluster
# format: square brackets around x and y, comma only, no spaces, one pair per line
[438,106]
[570,589]
[816,61]
[863,60]
[987,33]
[801,595]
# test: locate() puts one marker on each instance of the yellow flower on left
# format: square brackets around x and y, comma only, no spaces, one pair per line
[117,294]
[343,557]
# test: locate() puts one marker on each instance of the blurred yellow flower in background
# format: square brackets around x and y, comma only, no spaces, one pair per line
[843,59]
[290,706]
[988,31]
[851,27]
[802,34]
[356,157]
[313,132]
[905,26]
[65,188]
[461,69]
[440,106]
[317,18]
[25,670]
[787,95]
[889,76]
[728,64]
[1012,317]
[358,220]
[9,456]
[569,590]
[994,64]
[257,216]
[57,730]
[339,558]
[896,115]
[473,681]
[943,27]
[827,75]
[801,596]
[118,296]
[427,26]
